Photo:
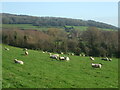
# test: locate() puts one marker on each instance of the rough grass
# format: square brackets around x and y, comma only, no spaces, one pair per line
[40,71]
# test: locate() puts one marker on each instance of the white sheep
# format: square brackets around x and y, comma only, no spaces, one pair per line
[110,59]
[7,49]
[91,58]
[96,65]
[67,58]
[106,59]
[62,58]
[72,54]
[26,52]
[18,61]
[43,52]
[25,49]
[62,53]
[57,55]
[53,56]
[50,53]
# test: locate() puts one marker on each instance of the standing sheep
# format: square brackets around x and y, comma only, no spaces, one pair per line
[67,58]
[26,52]
[91,58]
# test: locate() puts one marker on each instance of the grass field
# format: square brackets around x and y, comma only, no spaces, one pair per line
[30,26]
[40,71]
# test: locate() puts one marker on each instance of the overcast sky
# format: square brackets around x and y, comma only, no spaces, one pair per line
[99,11]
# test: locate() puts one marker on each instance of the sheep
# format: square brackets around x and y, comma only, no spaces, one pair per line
[25,49]
[83,55]
[43,52]
[106,59]
[96,65]
[72,54]
[91,58]
[62,58]
[26,52]
[67,58]
[7,49]
[53,56]
[110,59]
[50,53]
[18,61]
[61,53]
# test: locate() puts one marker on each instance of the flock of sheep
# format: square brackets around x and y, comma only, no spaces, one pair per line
[19,61]
[58,57]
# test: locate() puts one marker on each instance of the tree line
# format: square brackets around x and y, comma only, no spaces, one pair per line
[92,42]
[51,21]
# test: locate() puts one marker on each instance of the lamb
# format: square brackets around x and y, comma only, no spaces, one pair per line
[96,65]
[7,49]
[91,58]
[56,55]
[18,61]
[26,52]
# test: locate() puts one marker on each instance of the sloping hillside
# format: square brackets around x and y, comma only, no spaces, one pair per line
[51,21]
[40,71]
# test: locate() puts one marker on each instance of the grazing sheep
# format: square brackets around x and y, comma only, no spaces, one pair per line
[106,59]
[25,49]
[46,52]
[62,58]
[43,52]
[91,58]
[83,55]
[61,53]
[7,49]
[96,65]
[50,53]
[72,54]
[53,56]
[56,55]
[26,53]
[67,58]
[110,59]
[18,61]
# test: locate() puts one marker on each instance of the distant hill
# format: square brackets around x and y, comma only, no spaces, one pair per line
[51,21]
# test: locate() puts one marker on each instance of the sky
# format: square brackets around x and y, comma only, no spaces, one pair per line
[106,12]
